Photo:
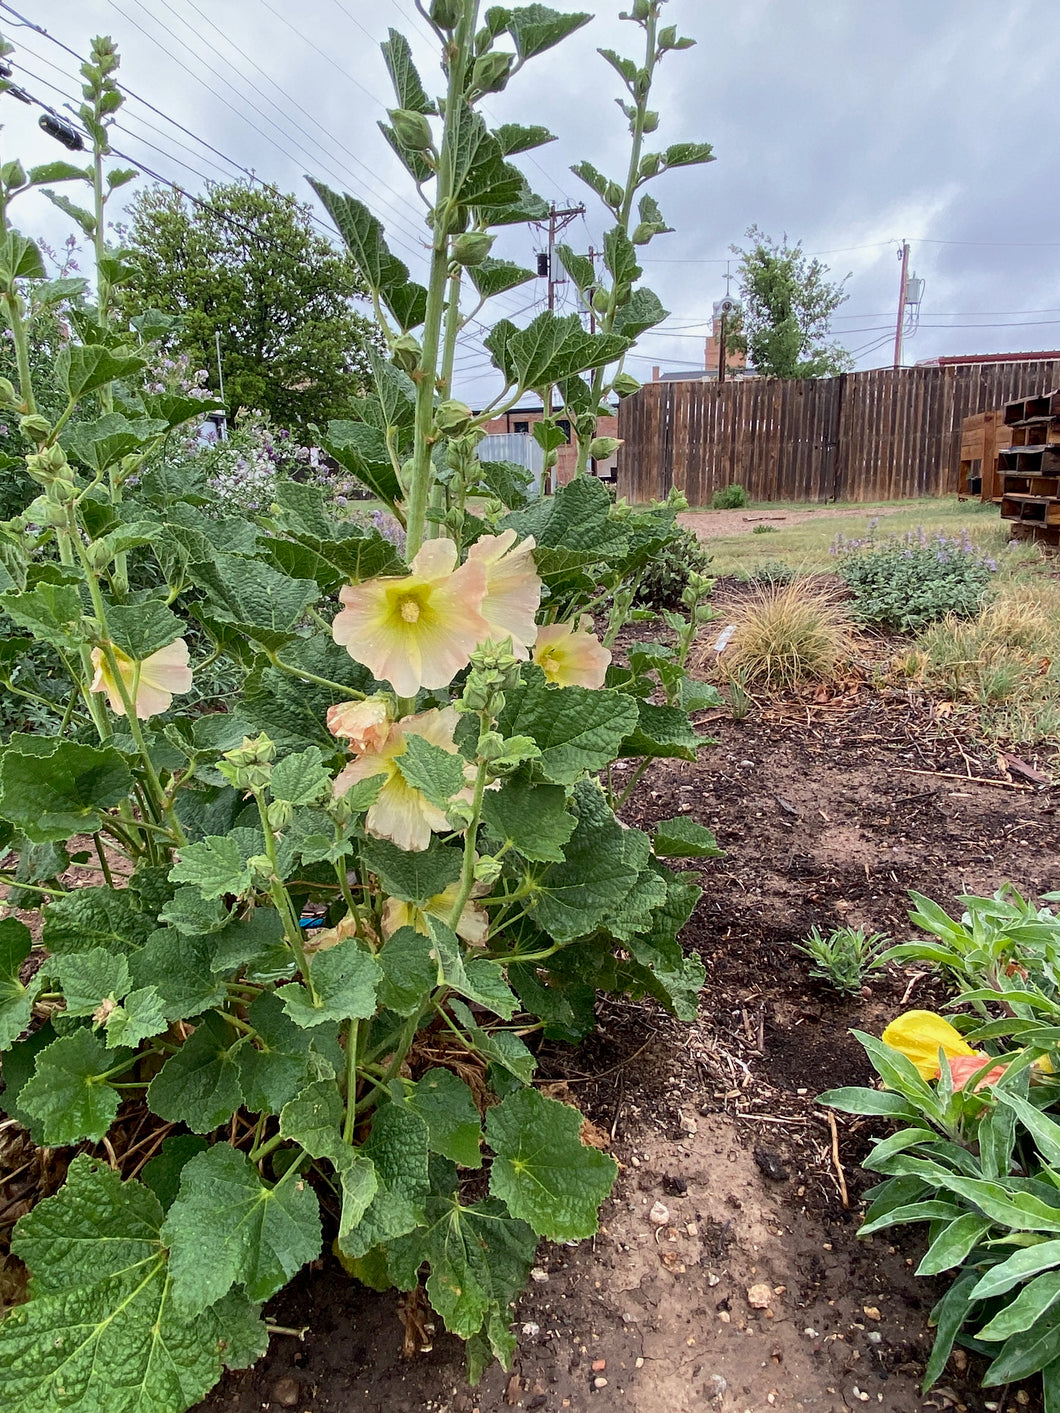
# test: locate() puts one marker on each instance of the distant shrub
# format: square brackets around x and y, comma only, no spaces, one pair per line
[773,571]
[787,635]
[666,577]
[764,530]
[910,581]
[730,498]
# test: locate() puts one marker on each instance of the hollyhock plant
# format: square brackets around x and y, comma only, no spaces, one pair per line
[513,588]
[571,655]
[400,813]
[150,685]
[473,924]
[418,630]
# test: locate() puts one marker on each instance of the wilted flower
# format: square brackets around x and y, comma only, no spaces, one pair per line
[418,630]
[571,656]
[366,725]
[513,588]
[920,1035]
[401,814]
[151,684]
[473,925]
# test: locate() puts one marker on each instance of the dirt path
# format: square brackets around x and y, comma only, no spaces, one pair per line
[826,822]
[718,524]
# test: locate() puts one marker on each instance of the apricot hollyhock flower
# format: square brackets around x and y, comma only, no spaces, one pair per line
[571,656]
[513,588]
[418,630]
[401,814]
[151,684]
[473,926]
[366,725]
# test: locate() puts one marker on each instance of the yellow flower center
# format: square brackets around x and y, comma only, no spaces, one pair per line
[410,610]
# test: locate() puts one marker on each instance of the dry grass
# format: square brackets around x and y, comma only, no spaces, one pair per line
[788,635]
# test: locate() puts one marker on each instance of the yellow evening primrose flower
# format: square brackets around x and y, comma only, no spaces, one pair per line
[418,630]
[473,926]
[571,656]
[151,684]
[513,588]
[919,1035]
[401,814]
[366,725]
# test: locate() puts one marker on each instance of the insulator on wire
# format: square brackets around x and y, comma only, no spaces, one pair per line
[19,93]
[62,131]
[5,69]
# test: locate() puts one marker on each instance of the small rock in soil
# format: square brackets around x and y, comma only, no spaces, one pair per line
[769,1162]
[537,1274]
[675,1186]
[658,1216]
[285,1392]
[760,1296]
[715,1388]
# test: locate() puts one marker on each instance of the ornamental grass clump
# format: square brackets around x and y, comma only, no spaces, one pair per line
[789,635]
[907,582]
[334,920]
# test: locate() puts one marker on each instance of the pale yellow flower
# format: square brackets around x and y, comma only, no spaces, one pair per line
[513,588]
[366,725]
[571,656]
[473,926]
[401,814]
[920,1035]
[419,630]
[151,684]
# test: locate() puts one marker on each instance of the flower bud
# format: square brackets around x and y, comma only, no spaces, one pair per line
[614,195]
[585,425]
[601,300]
[260,865]
[259,751]
[446,13]
[459,815]
[34,427]
[488,870]
[452,417]
[600,448]
[412,128]
[491,71]
[8,396]
[280,814]
[650,165]
[625,385]
[472,247]
[406,352]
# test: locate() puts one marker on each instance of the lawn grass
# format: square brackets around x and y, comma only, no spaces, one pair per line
[805,546]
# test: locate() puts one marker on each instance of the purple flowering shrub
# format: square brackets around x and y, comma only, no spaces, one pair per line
[908,581]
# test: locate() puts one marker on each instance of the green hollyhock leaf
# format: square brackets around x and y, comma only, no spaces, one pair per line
[500,1047]
[96,917]
[314,1120]
[637,910]
[216,866]
[51,796]
[479,980]
[180,969]
[89,978]
[189,912]
[551,348]
[542,1171]
[683,838]
[414,878]
[143,628]
[360,1184]
[534,819]
[81,368]
[16,1000]
[253,1235]
[567,1007]
[535,28]
[380,269]
[642,311]
[248,939]
[274,1067]
[446,1105]
[409,971]
[162,1173]
[687,154]
[250,596]
[505,480]
[516,137]
[66,1094]
[301,779]
[102,442]
[345,978]
[573,531]
[663,731]
[576,729]
[99,1331]
[398,1146]
[599,871]
[491,277]
[199,1085]
[140,1016]
[436,773]
[53,613]
[676,983]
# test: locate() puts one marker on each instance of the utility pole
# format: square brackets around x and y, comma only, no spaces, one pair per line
[558,220]
[903,256]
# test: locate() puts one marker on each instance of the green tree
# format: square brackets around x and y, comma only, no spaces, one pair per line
[787,307]
[248,264]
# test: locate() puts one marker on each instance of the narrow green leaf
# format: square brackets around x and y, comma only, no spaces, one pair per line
[1025,1262]
[953,1244]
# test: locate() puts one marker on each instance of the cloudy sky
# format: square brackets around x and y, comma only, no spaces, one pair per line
[848,125]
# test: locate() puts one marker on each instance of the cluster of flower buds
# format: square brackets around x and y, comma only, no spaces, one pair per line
[249,766]
[494,669]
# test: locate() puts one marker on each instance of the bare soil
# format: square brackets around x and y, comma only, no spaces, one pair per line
[750,1291]
[718,524]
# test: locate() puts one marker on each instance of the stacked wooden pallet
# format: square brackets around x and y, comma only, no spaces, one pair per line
[1029,469]
[983,436]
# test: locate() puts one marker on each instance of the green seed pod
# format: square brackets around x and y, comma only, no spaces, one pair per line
[651,121]
[406,352]
[490,73]
[625,385]
[488,870]
[650,164]
[585,424]
[280,814]
[257,751]
[260,865]
[412,128]
[472,247]
[452,417]
[600,448]
[34,427]
[8,396]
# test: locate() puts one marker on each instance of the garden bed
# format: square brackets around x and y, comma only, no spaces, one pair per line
[830,811]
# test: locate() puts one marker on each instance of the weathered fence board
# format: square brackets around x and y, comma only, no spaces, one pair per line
[882,435]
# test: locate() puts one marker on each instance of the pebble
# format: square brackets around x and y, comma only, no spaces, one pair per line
[285,1392]
[688,1124]
[874,1337]
[862,1396]
[599,1365]
[659,1214]
[531,1329]
[715,1388]
[872,1312]
[599,1381]
[760,1296]
[537,1274]
[770,1164]
[811,1334]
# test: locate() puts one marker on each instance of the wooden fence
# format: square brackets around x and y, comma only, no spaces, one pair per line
[881,435]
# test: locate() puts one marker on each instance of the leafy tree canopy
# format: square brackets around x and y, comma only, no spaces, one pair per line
[788,303]
[248,263]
